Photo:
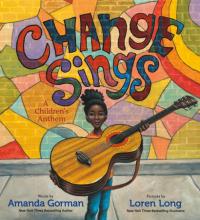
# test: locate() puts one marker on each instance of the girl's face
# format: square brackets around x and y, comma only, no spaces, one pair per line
[96,116]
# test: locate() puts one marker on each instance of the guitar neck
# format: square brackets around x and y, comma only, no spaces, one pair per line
[118,138]
[160,115]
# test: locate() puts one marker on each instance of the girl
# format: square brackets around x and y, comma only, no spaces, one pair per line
[96,114]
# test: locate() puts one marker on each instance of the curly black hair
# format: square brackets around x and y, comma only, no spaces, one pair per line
[93,97]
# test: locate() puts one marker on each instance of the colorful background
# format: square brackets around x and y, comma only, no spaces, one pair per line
[26,97]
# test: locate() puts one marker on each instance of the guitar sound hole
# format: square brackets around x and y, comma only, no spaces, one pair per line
[117,142]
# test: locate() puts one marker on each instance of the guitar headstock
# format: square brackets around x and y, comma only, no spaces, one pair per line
[185,102]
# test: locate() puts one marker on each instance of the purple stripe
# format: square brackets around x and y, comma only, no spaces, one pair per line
[194,9]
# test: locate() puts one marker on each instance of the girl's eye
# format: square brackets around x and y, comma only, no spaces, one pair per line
[101,114]
[91,114]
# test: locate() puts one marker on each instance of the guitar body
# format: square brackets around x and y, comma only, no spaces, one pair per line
[81,179]
[82,166]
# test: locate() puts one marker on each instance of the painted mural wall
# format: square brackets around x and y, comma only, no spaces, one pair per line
[142,55]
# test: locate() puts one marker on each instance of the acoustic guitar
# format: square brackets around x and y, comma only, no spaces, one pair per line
[82,166]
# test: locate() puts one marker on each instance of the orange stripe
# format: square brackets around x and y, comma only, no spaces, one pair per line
[173,56]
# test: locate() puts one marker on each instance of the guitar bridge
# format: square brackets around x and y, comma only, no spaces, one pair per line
[83,158]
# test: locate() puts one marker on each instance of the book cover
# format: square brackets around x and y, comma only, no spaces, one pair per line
[142,57]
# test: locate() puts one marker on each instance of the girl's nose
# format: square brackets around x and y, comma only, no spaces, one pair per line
[96,116]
